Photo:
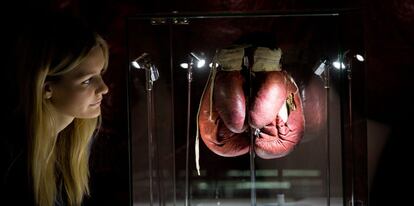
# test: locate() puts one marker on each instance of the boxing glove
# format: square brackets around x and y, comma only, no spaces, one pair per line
[222,112]
[275,111]
[215,133]
[282,128]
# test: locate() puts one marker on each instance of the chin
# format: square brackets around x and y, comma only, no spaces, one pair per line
[91,115]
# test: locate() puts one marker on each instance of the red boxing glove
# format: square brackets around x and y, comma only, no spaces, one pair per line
[280,128]
[276,112]
[222,116]
[214,131]
[229,100]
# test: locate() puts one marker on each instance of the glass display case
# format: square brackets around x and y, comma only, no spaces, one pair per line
[170,89]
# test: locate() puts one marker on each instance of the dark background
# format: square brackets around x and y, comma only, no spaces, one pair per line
[387,36]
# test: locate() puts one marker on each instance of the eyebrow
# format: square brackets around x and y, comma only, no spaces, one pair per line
[83,74]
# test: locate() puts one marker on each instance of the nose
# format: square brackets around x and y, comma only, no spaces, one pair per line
[103,88]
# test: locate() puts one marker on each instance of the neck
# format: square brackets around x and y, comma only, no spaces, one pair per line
[62,121]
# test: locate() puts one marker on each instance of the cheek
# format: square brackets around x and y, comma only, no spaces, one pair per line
[78,100]
[69,101]
[81,99]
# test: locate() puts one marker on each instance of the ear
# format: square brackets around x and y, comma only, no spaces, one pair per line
[47,90]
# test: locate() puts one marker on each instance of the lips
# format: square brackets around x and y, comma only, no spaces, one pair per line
[97,103]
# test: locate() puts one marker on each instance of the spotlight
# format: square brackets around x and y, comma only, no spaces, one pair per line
[338,65]
[359,57]
[200,61]
[142,62]
[184,65]
[151,72]
[211,65]
[135,64]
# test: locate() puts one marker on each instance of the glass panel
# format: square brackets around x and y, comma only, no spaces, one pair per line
[164,112]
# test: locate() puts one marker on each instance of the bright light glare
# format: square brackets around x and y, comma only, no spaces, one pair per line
[359,57]
[211,65]
[201,63]
[184,65]
[135,64]
[338,65]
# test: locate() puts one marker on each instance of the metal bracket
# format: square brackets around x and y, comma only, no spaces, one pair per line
[158,21]
[180,20]
[174,20]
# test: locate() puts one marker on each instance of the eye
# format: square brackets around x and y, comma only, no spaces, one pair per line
[87,82]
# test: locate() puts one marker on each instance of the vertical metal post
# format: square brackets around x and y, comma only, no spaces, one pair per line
[328,135]
[253,134]
[187,155]
[149,84]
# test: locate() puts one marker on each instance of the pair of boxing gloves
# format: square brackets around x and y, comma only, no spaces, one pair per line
[247,94]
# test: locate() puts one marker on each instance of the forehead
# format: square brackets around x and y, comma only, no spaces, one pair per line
[93,64]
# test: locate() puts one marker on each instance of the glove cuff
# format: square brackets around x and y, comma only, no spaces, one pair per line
[230,59]
[266,59]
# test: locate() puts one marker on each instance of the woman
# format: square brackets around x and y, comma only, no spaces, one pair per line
[60,63]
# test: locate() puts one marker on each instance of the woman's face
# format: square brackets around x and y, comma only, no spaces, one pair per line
[79,92]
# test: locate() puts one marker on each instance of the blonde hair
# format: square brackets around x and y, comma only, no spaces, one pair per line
[56,46]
